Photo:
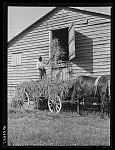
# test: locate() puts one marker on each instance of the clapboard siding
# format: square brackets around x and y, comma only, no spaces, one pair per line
[77,21]
[93,28]
[43,38]
[100,33]
[92,47]
[96,48]
[26,49]
[24,72]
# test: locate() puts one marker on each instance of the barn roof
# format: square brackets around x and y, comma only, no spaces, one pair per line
[48,15]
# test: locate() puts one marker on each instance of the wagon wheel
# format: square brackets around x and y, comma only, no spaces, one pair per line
[26,98]
[54,104]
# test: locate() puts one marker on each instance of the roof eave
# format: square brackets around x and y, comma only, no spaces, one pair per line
[25,31]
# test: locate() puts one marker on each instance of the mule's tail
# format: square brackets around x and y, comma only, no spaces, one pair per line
[108,92]
[96,85]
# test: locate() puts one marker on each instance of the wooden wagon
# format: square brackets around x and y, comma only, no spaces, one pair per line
[57,97]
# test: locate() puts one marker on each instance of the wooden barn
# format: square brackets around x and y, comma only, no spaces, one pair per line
[84,37]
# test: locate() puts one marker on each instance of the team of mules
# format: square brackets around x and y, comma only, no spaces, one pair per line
[97,88]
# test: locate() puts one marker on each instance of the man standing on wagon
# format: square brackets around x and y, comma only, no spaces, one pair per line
[41,68]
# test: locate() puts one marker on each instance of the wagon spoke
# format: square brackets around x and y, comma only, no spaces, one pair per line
[54,108]
[50,104]
[57,108]
[51,100]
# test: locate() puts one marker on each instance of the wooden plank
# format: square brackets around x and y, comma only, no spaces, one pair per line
[21,77]
[33,49]
[102,46]
[36,40]
[33,54]
[21,49]
[105,46]
[93,40]
[101,50]
[101,66]
[101,73]
[90,56]
[63,25]
[77,20]
[101,42]
[31,39]
[91,35]
[95,68]
[101,70]
[32,45]
[24,71]
[82,28]
[29,60]
[101,63]
[86,59]
[21,80]
[38,33]
[101,59]
[94,51]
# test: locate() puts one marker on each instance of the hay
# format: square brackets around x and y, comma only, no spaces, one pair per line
[40,88]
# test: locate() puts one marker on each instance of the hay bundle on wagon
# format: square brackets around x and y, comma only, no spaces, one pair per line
[48,90]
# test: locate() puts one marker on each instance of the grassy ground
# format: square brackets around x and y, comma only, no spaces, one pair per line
[27,127]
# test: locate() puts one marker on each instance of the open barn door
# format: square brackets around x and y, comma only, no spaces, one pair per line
[71,41]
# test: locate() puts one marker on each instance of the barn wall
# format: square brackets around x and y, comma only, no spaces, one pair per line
[92,47]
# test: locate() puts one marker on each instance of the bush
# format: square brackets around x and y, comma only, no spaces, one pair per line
[40,88]
[16,102]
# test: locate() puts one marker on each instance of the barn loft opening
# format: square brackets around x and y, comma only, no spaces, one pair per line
[62,37]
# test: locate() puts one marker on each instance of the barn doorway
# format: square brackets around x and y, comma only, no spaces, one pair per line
[62,36]
[62,41]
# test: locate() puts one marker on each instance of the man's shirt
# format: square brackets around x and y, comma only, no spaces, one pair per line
[40,65]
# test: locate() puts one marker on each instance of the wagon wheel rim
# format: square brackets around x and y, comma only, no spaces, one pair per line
[54,105]
[27,96]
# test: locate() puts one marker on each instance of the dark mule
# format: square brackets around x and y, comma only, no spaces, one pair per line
[104,93]
[91,87]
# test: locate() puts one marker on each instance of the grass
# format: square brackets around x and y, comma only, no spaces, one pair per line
[42,128]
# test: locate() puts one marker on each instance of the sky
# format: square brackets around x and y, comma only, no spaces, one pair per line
[19,18]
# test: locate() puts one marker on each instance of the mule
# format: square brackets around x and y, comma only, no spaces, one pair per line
[91,86]
[105,94]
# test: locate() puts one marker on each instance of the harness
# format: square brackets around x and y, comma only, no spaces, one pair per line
[86,93]
[95,86]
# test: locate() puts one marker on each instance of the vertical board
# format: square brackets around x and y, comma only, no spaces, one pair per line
[12,60]
[19,58]
[71,42]
[50,41]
